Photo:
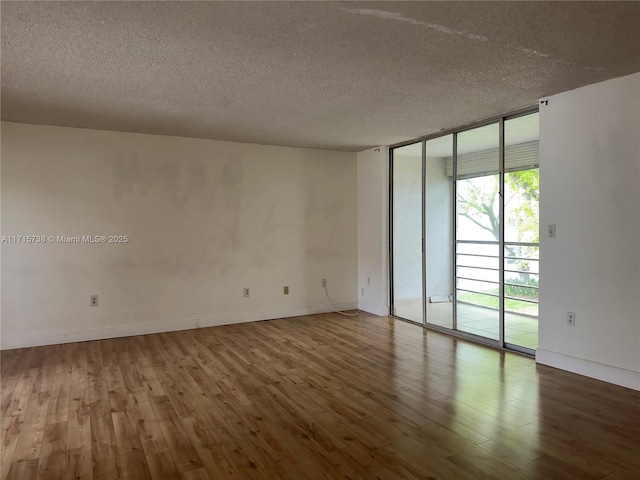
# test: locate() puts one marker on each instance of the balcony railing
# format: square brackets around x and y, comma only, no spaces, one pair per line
[478,275]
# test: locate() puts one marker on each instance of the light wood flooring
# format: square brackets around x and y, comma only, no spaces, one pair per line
[320,397]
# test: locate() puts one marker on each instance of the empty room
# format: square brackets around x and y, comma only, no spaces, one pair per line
[323,240]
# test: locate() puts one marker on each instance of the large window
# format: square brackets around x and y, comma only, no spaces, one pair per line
[465,232]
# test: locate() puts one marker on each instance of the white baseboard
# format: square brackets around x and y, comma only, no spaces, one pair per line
[599,371]
[380,310]
[161,327]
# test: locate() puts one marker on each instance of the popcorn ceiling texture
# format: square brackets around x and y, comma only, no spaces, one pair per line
[335,75]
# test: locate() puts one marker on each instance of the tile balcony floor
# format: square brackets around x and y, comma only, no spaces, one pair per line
[519,329]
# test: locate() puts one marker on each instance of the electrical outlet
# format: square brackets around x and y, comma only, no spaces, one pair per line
[286,290]
[324,282]
[362,292]
[571,319]
[552,231]
[245,292]
[368,280]
[93,300]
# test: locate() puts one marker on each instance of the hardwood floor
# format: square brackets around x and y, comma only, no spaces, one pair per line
[320,397]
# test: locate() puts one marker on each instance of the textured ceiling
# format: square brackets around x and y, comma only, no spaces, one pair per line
[342,75]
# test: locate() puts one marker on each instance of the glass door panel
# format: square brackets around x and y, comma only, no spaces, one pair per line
[522,230]
[439,232]
[407,232]
[478,232]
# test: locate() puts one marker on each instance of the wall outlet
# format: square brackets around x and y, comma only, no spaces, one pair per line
[286,290]
[368,280]
[245,292]
[362,292]
[571,319]
[324,282]
[552,231]
[93,300]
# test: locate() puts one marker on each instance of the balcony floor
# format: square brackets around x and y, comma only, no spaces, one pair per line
[519,329]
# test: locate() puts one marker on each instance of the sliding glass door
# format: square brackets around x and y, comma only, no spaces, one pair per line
[438,232]
[478,232]
[408,300]
[522,231]
[465,232]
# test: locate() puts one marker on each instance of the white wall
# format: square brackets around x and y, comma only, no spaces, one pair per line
[373,259]
[204,219]
[590,189]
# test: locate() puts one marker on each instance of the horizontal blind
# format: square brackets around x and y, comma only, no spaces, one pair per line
[476,164]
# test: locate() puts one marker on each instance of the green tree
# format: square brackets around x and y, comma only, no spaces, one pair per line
[478,202]
[522,203]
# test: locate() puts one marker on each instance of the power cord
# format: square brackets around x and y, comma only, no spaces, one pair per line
[326,292]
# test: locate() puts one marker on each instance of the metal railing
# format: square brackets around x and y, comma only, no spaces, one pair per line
[477,275]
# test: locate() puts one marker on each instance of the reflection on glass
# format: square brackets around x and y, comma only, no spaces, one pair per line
[478,231]
[438,218]
[407,232]
[521,251]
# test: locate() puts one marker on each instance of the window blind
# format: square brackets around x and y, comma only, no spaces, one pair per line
[476,164]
